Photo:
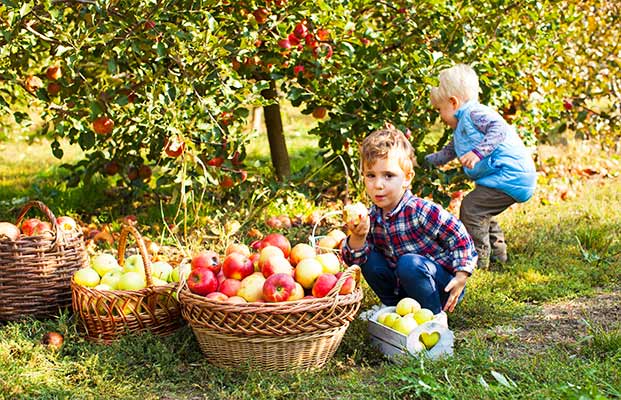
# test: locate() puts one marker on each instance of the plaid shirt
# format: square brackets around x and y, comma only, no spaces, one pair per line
[416,226]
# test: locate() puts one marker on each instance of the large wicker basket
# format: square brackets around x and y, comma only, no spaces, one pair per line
[285,336]
[35,271]
[106,315]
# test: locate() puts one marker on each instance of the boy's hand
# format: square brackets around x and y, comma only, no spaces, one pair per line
[455,287]
[469,160]
[358,232]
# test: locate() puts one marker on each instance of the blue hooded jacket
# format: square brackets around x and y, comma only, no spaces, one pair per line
[509,168]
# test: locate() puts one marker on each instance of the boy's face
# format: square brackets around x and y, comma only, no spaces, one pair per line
[447,109]
[386,182]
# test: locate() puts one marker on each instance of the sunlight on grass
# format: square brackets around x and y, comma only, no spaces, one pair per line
[535,277]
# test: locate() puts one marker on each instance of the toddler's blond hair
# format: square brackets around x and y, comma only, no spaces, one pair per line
[460,81]
[387,142]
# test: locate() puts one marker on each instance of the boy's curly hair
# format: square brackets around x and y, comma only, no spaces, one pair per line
[382,142]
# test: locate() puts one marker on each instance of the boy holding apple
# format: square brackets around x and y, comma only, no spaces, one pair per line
[406,246]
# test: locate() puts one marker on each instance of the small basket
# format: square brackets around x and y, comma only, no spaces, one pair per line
[35,271]
[314,240]
[106,315]
[284,336]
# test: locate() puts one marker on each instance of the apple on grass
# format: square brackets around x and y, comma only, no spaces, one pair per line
[407,305]
[237,266]
[9,231]
[104,262]
[278,287]
[202,281]
[301,251]
[209,259]
[307,271]
[329,262]
[251,288]
[86,277]
[323,284]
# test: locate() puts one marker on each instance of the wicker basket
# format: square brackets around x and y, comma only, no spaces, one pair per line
[105,315]
[35,271]
[284,336]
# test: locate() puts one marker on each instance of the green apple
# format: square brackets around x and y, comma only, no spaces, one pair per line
[86,277]
[407,305]
[134,263]
[381,319]
[102,286]
[391,318]
[423,315]
[103,263]
[111,278]
[429,339]
[132,281]
[181,272]
[405,325]
[161,270]
[158,282]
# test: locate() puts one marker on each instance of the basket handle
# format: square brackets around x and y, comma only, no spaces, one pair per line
[142,249]
[58,233]
[352,271]
[324,216]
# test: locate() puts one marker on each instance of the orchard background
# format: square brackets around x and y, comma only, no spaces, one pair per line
[153,110]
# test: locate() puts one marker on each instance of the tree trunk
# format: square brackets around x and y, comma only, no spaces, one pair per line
[275,136]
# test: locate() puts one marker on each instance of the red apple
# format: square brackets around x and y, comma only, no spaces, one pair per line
[202,281]
[174,146]
[297,69]
[111,168]
[300,30]
[237,266]
[8,231]
[276,265]
[323,284]
[227,182]
[284,44]
[278,240]
[297,293]
[33,83]
[66,224]
[209,259]
[278,287]
[215,162]
[103,126]
[301,251]
[229,286]
[53,88]
[53,72]
[43,228]
[217,296]
[145,172]
[348,286]
[261,15]
[29,225]
[237,248]
[254,258]
[257,244]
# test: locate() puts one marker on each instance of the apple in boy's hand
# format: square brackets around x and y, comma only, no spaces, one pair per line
[354,213]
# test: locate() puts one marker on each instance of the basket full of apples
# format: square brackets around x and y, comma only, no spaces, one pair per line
[277,308]
[37,259]
[112,298]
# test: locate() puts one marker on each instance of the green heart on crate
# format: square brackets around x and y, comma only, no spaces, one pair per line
[429,339]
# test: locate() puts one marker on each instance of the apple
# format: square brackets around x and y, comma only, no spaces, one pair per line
[161,270]
[261,15]
[300,30]
[429,339]
[297,293]
[278,240]
[103,125]
[103,263]
[217,296]
[43,228]
[132,280]
[284,44]
[53,88]
[307,271]
[237,248]
[381,319]
[103,286]
[53,72]
[254,258]
[407,305]
[145,172]
[348,286]
[339,235]
[111,279]
[423,315]
[320,112]
[52,339]
[67,224]
[86,277]
[405,325]
[202,281]
[33,83]
[230,286]
[301,251]
[9,231]
[329,262]
[215,162]
[237,266]
[236,300]
[391,318]
[134,263]
[327,243]
[174,146]
[278,287]
[180,273]
[29,225]
[209,259]
[227,182]
[251,288]
[323,284]
[354,213]
[267,252]
[275,265]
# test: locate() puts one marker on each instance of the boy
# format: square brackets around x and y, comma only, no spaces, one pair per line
[406,246]
[492,154]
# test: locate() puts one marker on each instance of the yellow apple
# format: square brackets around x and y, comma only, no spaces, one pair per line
[103,263]
[180,273]
[301,251]
[297,293]
[86,277]
[111,278]
[391,318]
[251,288]
[429,339]
[381,319]
[423,315]
[329,262]
[405,325]
[407,305]
[132,281]
[161,270]
[307,271]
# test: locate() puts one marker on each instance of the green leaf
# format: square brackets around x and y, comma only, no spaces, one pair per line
[86,139]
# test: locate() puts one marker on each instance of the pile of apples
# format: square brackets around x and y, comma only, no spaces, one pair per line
[35,227]
[409,314]
[269,270]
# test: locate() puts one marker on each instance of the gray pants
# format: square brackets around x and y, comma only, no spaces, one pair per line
[477,212]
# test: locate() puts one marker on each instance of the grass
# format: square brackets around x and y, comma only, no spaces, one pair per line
[558,251]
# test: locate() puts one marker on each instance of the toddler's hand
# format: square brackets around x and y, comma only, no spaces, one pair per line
[354,213]
[469,160]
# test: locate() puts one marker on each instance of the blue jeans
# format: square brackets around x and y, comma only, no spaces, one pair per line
[415,276]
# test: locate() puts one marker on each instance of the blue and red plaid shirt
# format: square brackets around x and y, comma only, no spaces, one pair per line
[416,226]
